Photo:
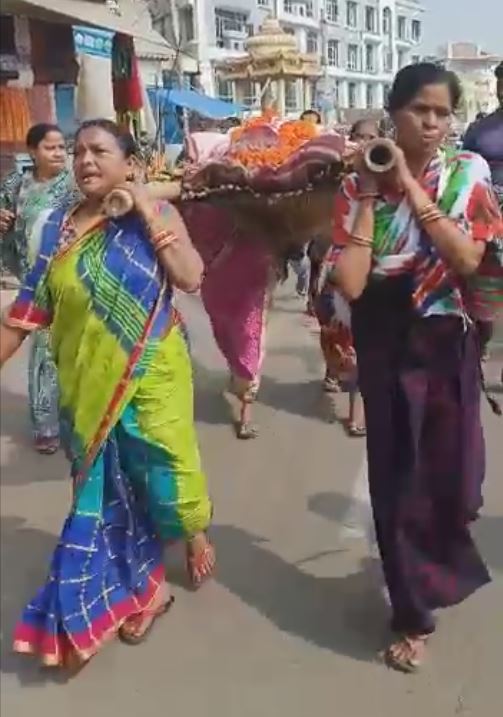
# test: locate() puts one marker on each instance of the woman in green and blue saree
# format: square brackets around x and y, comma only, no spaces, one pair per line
[105,287]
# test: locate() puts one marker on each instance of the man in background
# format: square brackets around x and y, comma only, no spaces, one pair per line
[485,136]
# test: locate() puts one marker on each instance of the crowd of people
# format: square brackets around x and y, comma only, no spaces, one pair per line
[110,373]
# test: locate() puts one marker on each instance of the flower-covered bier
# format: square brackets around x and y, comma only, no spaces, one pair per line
[268,156]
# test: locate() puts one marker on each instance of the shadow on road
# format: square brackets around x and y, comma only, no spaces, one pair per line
[210,405]
[346,615]
[25,554]
[488,530]
[15,417]
[299,398]
[15,428]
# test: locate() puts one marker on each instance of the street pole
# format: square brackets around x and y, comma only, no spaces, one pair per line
[324,65]
[175,25]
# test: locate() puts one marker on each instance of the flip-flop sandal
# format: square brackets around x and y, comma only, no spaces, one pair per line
[133,640]
[195,564]
[246,432]
[408,665]
[47,446]
[73,666]
[331,385]
[356,431]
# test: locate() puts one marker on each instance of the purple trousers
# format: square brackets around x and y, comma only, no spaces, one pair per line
[420,381]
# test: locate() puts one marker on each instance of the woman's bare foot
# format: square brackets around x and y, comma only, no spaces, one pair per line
[201,559]
[407,654]
[137,627]
[356,422]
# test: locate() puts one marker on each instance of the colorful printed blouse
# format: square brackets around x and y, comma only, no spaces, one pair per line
[460,183]
[23,195]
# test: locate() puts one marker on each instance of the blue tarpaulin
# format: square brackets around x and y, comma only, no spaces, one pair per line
[202,104]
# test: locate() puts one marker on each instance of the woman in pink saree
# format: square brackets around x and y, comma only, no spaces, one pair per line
[238,282]
[242,255]
[236,290]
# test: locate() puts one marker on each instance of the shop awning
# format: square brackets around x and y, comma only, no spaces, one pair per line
[89,12]
[205,106]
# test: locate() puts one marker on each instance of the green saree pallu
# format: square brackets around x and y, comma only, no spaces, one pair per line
[126,414]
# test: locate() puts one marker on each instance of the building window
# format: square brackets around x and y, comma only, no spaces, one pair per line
[337,92]
[402,28]
[370,97]
[352,57]
[370,61]
[351,14]
[309,8]
[416,30]
[225,90]
[312,43]
[402,58]
[187,30]
[333,53]
[388,59]
[249,94]
[386,21]
[416,59]
[332,10]
[229,20]
[370,19]
[352,95]
[386,93]
[263,3]
[288,6]
[291,96]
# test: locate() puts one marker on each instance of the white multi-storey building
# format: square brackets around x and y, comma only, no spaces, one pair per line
[361,43]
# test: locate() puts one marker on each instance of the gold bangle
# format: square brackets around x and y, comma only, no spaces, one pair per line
[433,218]
[429,212]
[368,195]
[360,240]
[427,209]
[163,244]
[163,239]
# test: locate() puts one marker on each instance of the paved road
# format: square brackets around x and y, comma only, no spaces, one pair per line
[293,622]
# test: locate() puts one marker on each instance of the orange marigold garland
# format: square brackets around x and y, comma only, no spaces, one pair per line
[266,142]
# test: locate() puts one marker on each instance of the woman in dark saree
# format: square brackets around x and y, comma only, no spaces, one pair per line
[405,247]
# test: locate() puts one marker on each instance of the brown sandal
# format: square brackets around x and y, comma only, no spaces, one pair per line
[246,431]
[331,385]
[409,657]
[136,639]
[47,446]
[356,431]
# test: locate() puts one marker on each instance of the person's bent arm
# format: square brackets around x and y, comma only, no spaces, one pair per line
[454,245]
[180,260]
[354,263]
[164,191]
[10,341]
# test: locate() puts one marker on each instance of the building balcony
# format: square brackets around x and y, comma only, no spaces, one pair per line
[235,34]
[293,19]
[373,37]
[403,41]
